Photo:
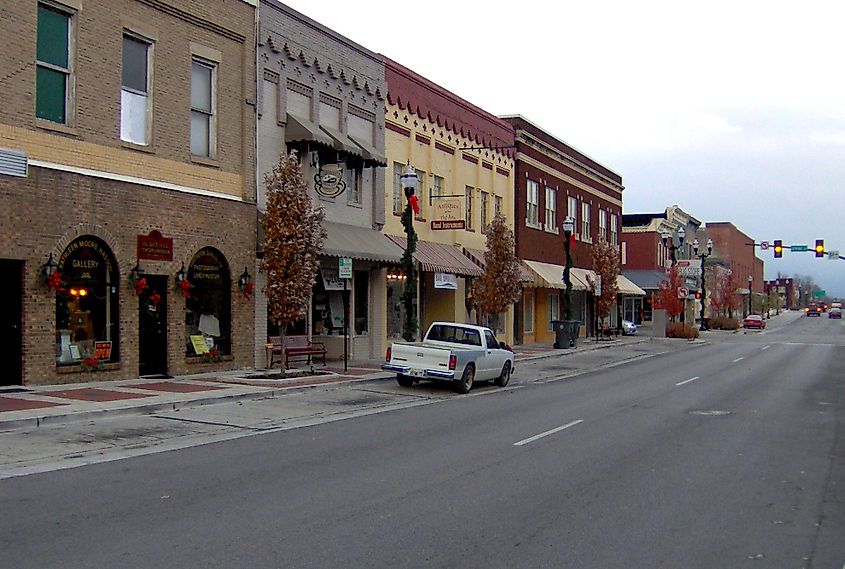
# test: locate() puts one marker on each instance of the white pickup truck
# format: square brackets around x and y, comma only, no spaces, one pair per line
[461,353]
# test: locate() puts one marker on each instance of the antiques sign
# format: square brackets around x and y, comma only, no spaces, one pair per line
[448,215]
[329,181]
[155,247]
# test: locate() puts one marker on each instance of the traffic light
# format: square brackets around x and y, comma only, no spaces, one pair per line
[819,247]
[698,295]
[778,248]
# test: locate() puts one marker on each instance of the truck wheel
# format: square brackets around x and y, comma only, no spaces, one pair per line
[404,380]
[505,377]
[465,384]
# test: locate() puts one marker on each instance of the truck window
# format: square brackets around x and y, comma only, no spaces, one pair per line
[491,340]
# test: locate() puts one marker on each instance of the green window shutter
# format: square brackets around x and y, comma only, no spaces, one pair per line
[52,37]
[50,89]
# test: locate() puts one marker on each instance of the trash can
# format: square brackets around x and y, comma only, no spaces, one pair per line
[561,334]
[572,327]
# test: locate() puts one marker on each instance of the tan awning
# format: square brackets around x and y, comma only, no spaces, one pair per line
[360,243]
[371,155]
[477,257]
[547,275]
[441,258]
[343,142]
[625,286]
[298,129]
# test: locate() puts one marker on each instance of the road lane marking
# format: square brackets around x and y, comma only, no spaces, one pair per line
[739,359]
[765,348]
[547,433]
[687,381]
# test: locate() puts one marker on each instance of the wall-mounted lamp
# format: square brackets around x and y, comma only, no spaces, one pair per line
[245,279]
[137,271]
[180,274]
[49,267]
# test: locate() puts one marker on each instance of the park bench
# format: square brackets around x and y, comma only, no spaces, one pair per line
[606,332]
[296,348]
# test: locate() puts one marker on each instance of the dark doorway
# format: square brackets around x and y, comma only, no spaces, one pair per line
[11,325]
[152,317]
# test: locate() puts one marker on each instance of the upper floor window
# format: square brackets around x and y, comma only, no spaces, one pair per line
[398,193]
[437,190]
[551,210]
[614,231]
[54,65]
[203,119]
[497,207]
[532,212]
[135,91]
[585,222]
[602,225]
[420,193]
[352,177]
[572,211]
[483,206]
[468,192]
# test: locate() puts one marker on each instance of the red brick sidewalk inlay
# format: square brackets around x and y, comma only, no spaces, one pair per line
[172,387]
[94,394]
[14,404]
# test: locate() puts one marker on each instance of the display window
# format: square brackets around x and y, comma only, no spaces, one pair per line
[87,323]
[208,302]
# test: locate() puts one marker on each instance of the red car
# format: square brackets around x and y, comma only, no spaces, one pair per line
[754,321]
[835,313]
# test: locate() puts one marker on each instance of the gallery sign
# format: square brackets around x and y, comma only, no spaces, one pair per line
[155,247]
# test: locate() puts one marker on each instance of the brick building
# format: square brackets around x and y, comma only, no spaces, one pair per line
[554,181]
[786,289]
[737,251]
[125,142]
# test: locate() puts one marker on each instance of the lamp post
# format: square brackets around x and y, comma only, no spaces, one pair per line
[568,228]
[702,256]
[750,281]
[409,292]
[669,242]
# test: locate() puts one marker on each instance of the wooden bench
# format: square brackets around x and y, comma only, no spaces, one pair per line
[297,348]
[607,332]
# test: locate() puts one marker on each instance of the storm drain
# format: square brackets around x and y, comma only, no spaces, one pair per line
[709,412]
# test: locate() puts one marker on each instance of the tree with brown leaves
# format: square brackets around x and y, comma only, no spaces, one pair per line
[293,238]
[606,265]
[667,294]
[499,286]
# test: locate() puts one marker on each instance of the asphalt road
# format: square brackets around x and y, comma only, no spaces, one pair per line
[724,455]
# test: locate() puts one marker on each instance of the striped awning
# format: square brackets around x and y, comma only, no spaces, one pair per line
[441,258]
[548,275]
[477,257]
[625,286]
[360,243]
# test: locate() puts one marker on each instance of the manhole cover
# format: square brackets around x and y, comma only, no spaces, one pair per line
[710,412]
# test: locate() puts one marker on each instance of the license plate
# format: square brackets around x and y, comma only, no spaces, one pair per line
[417,373]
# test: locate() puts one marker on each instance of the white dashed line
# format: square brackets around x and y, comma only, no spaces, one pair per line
[687,381]
[547,433]
[765,348]
[739,359]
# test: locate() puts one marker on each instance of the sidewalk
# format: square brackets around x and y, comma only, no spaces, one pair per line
[32,406]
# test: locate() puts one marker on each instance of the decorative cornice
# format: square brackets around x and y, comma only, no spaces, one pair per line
[194,20]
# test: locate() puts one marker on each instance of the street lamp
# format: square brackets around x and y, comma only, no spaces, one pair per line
[702,256]
[750,281]
[409,292]
[568,229]
[669,242]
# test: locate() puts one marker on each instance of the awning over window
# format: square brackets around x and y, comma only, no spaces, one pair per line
[547,275]
[298,129]
[477,257]
[371,155]
[360,243]
[625,286]
[342,142]
[441,258]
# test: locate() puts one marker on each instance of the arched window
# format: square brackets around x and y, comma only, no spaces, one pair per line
[87,323]
[208,309]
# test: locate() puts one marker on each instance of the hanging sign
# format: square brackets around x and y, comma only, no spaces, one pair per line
[330,279]
[155,247]
[329,181]
[448,210]
[445,280]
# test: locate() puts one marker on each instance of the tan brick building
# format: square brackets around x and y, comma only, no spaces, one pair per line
[126,141]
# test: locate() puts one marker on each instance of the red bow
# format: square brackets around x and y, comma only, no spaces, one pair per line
[572,240]
[248,290]
[185,285]
[140,286]
[415,204]
[155,298]
[55,282]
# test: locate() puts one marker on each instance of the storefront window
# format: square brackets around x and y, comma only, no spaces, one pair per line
[87,303]
[362,305]
[395,319]
[327,304]
[208,308]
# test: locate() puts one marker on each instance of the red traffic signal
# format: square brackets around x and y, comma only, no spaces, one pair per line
[698,295]
[819,247]
[778,248]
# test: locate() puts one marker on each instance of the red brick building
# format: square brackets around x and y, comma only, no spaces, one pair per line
[737,251]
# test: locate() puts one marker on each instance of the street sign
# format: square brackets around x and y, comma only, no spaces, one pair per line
[796,248]
[820,293]
[344,268]
[832,255]
[764,245]
[683,292]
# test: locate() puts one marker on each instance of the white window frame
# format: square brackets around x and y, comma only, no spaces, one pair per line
[497,205]
[552,299]
[532,204]
[572,211]
[353,184]
[624,253]
[528,312]
[211,113]
[148,96]
[585,223]
[484,199]
[551,211]
[398,192]
[602,225]
[469,196]
[614,229]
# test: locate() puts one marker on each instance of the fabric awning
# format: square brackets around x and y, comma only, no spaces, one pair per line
[360,243]
[548,275]
[441,258]
[625,286]
[477,257]
[342,142]
[298,129]
[371,155]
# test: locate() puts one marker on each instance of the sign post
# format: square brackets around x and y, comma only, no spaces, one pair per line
[344,270]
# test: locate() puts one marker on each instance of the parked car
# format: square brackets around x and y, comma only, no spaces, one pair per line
[460,353]
[813,310]
[628,328]
[754,321]
[835,313]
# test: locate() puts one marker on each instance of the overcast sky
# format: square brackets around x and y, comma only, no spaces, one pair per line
[733,110]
